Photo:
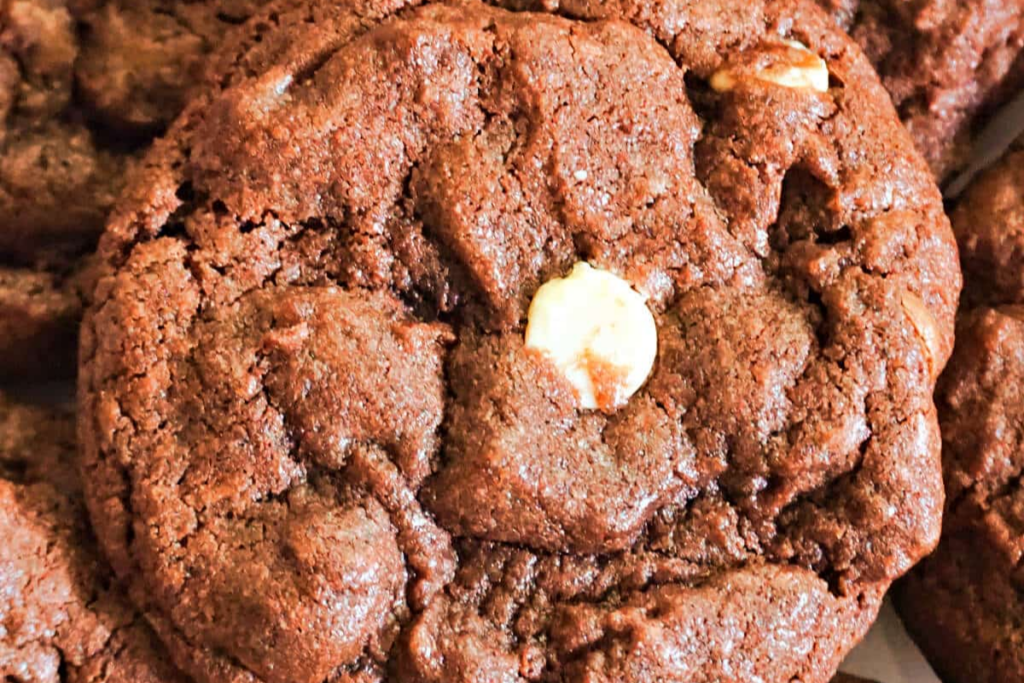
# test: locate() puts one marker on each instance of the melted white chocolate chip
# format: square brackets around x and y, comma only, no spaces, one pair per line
[926,327]
[599,333]
[793,65]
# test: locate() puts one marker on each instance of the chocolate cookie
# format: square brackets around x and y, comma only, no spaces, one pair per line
[57,179]
[847,678]
[989,226]
[455,343]
[945,64]
[62,617]
[76,78]
[84,84]
[963,605]
[39,314]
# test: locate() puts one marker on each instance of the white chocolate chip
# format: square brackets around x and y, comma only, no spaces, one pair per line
[790,65]
[723,80]
[598,332]
[925,326]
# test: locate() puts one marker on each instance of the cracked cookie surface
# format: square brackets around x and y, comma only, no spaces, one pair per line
[963,604]
[63,617]
[309,325]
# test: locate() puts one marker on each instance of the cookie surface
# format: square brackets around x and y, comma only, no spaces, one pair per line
[945,64]
[84,84]
[62,617]
[963,604]
[319,444]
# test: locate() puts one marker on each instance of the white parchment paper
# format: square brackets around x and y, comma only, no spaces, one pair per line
[888,655]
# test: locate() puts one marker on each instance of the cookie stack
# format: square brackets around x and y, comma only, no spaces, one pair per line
[466,341]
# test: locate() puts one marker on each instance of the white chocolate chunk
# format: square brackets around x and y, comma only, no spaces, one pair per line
[598,332]
[925,326]
[793,66]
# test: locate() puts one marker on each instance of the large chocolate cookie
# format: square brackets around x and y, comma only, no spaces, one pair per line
[84,84]
[944,63]
[456,343]
[62,617]
[964,604]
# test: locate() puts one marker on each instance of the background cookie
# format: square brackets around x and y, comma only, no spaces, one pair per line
[963,604]
[40,309]
[989,226]
[78,80]
[944,64]
[308,368]
[84,84]
[62,617]
[57,178]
